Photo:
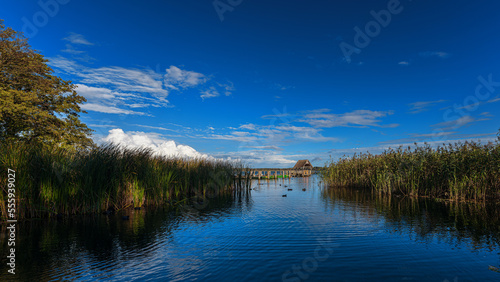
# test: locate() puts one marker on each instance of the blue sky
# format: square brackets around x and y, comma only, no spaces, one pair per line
[271,82]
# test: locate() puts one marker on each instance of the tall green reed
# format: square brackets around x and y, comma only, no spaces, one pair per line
[461,171]
[54,180]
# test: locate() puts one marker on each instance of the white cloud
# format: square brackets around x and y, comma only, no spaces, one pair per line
[127,80]
[228,88]
[486,114]
[282,87]
[176,78]
[115,89]
[473,106]
[232,137]
[404,63]
[76,38]
[105,100]
[158,145]
[139,105]
[496,99]
[434,134]
[155,127]
[71,50]
[262,158]
[358,118]
[306,133]
[64,64]
[210,93]
[90,92]
[457,123]
[276,148]
[140,88]
[271,136]
[109,109]
[249,126]
[418,107]
[439,54]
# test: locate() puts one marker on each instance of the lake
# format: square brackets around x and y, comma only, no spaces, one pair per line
[318,234]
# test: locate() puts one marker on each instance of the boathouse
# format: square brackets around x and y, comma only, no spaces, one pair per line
[303,168]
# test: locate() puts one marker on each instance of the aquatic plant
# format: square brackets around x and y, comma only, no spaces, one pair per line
[53,180]
[455,171]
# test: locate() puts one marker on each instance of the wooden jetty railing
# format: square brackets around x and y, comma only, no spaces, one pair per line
[274,173]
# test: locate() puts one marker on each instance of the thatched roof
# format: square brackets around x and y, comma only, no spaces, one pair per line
[303,164]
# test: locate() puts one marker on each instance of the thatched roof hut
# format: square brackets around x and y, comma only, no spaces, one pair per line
[303,165]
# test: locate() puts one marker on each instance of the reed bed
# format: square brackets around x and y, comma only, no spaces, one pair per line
[460,171]
[55,181]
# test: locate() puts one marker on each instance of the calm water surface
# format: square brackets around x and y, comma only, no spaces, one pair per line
[316,235]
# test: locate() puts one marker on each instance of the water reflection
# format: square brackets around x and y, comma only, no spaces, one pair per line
[426,219]
[258,235]
[69,248]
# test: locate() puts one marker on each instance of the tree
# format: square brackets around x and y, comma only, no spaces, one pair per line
[35,105]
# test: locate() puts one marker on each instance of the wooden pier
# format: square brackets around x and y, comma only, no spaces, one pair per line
[303,168]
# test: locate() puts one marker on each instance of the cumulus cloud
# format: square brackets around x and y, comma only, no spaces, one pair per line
[158,145]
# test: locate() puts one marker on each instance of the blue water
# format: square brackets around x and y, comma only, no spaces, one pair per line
[314,235]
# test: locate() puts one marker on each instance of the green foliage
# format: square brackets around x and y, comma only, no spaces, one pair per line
[36,106]
[458,172]
[52,180]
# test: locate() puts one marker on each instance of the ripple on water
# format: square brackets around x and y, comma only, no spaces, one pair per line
[261,238]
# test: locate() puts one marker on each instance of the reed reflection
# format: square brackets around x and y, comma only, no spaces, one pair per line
[478,224]
[68,249]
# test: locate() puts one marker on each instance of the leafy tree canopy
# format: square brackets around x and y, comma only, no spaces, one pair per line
[35,105]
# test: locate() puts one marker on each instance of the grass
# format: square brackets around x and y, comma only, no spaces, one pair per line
[460,171]
[52,180]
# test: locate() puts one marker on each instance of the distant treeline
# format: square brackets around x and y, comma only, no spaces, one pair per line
[51,180]
[462,171]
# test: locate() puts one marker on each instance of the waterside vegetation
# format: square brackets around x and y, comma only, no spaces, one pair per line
[460,171]
[56,181]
